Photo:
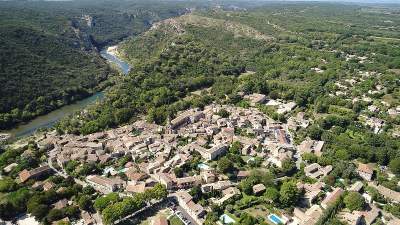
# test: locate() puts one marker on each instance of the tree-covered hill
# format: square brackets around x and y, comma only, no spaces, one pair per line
[48,50]
[42,67]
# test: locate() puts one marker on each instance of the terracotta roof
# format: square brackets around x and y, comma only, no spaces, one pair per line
[370,216]
[104,181]
[25,174]
[365,168]
[196,208]
[186,197]
[388,193]
[332,197]
[48,185]
[138,188]
[135,176]
[61,204]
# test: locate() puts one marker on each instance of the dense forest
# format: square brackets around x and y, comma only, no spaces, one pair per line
[49,50]
[41,69]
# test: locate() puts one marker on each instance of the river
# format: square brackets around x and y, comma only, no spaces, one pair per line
[53,117]
[112,58]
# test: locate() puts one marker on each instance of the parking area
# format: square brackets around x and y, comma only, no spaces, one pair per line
[181,213]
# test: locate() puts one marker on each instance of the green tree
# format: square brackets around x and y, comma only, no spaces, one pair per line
[289,194]
[71,166]
[101,203]
[63,223]
[247,219]
[85,202]
[8,185]
[196,193]
[211,218]
[246,186]
[354,201]
[225,165]
[72,211]
[342,154]
[55,214]
[223,113]
[330,180]
[159,191]
[7,210]
[178,171]
[394,166]
[19,199]
[309,157]
[88,190]
[272,194]
[288,167]
[235,148]
[39,211]
[123,115]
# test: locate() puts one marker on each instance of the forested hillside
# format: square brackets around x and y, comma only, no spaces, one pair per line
[48,50]
[41,69]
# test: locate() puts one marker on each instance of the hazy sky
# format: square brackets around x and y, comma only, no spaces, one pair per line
[358,1]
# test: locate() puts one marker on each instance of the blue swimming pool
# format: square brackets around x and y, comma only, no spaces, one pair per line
[275,219]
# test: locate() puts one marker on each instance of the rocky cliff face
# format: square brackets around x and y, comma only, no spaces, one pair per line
[84,41]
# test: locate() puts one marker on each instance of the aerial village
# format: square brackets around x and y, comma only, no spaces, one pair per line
[189,158]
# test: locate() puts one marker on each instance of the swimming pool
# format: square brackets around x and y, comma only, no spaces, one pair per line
[203,166]
[225,219]
[275,219]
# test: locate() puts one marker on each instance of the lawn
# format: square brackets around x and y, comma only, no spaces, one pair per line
[258,211]
[261,211]
[174,220]
[164,212]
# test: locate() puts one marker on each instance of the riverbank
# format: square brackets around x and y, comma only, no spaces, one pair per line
[112,56]
[48,120]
